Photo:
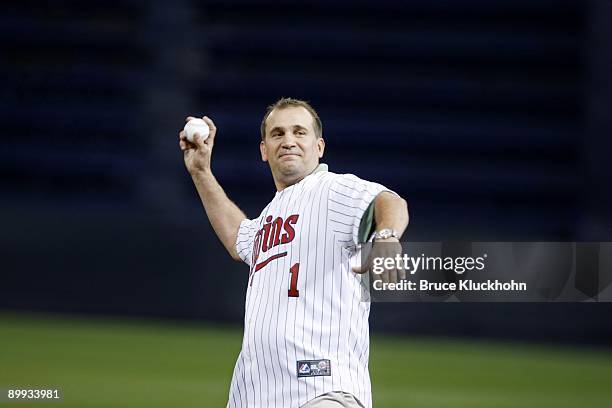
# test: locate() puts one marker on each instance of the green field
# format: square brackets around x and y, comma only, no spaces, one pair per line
[125,363]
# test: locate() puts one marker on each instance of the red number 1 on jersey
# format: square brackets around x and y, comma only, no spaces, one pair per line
[294,271]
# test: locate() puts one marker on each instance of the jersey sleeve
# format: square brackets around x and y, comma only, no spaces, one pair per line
[351,202]
[244,240]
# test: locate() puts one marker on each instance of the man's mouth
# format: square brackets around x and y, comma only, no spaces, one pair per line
[288,155]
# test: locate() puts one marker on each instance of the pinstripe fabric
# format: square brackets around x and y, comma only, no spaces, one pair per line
[312,224]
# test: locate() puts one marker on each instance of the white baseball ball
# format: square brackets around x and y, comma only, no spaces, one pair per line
[196,126]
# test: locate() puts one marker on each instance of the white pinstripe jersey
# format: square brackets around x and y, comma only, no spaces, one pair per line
[303,301]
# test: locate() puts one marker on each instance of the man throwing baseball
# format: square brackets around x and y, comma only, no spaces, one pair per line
[306,335]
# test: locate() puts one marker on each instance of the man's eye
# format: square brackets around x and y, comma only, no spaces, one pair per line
[301,132]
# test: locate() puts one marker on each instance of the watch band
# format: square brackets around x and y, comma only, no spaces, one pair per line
[384,234]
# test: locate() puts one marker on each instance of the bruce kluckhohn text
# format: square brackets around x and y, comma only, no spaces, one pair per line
[458,265]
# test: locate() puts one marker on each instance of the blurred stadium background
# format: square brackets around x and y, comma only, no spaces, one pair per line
[492,118]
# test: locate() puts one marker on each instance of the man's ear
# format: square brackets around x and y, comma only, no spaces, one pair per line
[262,150]
[320,146]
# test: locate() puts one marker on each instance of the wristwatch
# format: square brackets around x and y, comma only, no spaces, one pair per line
[384,234]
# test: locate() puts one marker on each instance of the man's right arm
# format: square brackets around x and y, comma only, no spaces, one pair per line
[225,216]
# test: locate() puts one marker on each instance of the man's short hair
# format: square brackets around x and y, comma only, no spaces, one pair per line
[283,103]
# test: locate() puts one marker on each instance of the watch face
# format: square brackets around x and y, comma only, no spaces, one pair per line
[384,234]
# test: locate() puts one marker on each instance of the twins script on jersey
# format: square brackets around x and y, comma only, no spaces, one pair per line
[305,328]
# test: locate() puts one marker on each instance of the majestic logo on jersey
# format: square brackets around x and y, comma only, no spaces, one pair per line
[274,232]
[313,368]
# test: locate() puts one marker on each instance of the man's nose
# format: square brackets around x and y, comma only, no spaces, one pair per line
[288,141]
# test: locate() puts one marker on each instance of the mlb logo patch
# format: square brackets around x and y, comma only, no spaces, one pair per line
[313,368]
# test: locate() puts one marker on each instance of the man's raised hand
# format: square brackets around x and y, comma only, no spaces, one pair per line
[197,154]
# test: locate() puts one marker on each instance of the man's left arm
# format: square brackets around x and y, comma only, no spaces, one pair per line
[390,211]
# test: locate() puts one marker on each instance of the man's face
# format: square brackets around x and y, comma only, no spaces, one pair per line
[291,146]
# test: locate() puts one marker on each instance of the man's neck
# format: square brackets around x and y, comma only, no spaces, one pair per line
[281,185]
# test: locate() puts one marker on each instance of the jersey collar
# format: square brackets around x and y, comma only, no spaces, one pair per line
[320,168]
